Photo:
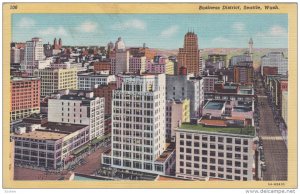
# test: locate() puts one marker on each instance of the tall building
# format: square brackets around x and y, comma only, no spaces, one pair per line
[78,107]
[177,112]
[214,150]
[243,72]
[189,55]
[138,125]
[55,79]
[15,55]
[34,52]
[275,59]
[121,57]
[105,91]
[25,97]
[209,83]
[187,87]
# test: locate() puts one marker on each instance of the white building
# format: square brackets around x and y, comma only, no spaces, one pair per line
[187,87]
[215,152]
[121,58]
[86,81]
[78,107]
[34,52]
[275,59]
[138,126]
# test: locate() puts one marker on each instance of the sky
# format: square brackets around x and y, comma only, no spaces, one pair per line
[165,31]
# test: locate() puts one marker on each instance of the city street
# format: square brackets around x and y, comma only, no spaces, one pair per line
[275,150]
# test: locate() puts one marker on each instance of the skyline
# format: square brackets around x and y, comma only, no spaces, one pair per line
[164,31]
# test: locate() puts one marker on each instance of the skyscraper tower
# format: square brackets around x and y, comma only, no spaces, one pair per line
[189,55]
[250,47]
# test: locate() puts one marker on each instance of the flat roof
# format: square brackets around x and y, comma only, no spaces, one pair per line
[250,131]
[42,135]
[91,74]
[63,127]
[214,105]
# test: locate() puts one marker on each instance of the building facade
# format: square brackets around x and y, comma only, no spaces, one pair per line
[137,64]
[275,59]
[78,107]
[222,153]
[138,125]
[49,145]
[87,81]
[187,87]
[189,55]
[243,72]
[34,52]
[25,97]
[55,79]
[105,91]
[177,112]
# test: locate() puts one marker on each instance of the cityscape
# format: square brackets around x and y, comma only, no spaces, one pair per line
[117,112]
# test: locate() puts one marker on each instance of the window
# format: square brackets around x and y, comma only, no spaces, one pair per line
[220,161]
[204,166]
[220,154]
[188,150]
[220,147]
[204,145]
[238,164]
[196,144]
[196,151]
[212,138]
[196,158]
[229,162]
[204,174]
[245,157]
[220,139]
[204,159]
[212,153]
[245,142]
[204,152]
[238,141]
[189,143]
[212,167]
[228,140]
[229,170]
[229,155]
[204,138]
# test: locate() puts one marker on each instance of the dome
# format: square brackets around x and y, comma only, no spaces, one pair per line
[120,45]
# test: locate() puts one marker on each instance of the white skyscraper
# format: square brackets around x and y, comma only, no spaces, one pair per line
[138,125]
[34,52]
[122,57]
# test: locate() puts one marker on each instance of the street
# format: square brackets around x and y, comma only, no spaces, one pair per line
[275,150]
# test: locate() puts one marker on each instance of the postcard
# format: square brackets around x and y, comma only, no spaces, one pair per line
[150,95]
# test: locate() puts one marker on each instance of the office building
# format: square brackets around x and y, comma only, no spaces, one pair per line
[138,126]
[105,91]
[187,87]
[177,112]
[78,107]
[49,145]
[87,81]
[137,64]
[25,97]
[34,52]
[160,64]
[189,55]
[243,72]
[55,79]
[215,150]
[275,59]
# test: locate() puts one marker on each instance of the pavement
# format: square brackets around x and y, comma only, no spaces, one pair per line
[275,149]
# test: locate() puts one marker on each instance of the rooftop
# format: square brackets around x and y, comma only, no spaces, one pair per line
[42,135]
[165,155]
[63,127]
[249,131]
[92,74]
[215,105]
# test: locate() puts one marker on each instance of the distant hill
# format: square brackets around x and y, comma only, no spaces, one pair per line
[257,52]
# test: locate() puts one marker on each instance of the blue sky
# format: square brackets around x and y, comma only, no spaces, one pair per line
[156,30]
